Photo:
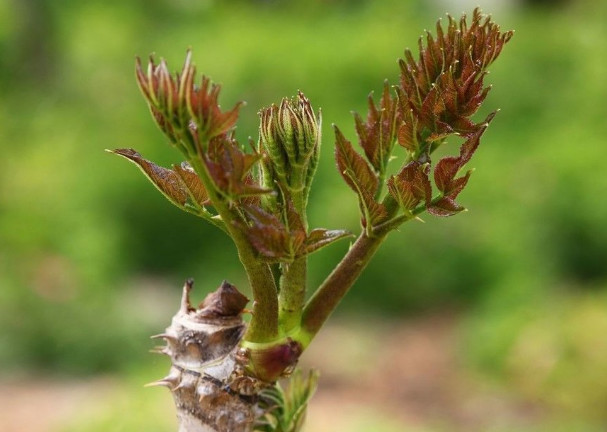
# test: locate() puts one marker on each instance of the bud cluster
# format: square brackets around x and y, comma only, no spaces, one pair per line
[440,91]
[436,97]
[290,137]
[184,111]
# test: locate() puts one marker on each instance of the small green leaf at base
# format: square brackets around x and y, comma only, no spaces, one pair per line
[285,409]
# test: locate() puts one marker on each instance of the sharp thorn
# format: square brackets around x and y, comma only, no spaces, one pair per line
[167,337]
[160,383]
[178,387]
[160,350]
[162,336]
[185,297]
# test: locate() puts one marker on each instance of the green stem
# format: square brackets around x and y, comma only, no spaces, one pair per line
[395,222]
[292,293]
[201,212]
[337,284]
[264,324]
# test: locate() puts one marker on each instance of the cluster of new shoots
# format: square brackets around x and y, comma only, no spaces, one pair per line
[258,193]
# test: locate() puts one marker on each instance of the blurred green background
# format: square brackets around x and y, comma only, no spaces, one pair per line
[92,258]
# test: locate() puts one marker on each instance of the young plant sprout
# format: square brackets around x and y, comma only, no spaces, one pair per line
[224,371]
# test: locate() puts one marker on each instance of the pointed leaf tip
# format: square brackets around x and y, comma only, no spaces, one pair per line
[165,180]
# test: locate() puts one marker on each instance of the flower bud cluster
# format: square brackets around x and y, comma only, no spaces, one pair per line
[187,113]
[290,137]
[437,96]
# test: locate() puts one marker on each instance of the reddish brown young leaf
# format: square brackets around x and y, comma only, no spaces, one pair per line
[203,105]
[230,168]
[353,168]
[407,134]
[276,241]
[411,185]
[403,193]
[447,168]
[292,218]
[473,140]
[431,109]
[192,183]
[360,177]
[268,235]
[445,172]
[445,207]
[295,227]
[444,87]
[165,180]
[457,185]
[176,101]
[372,212]
[407,121]
[376,135]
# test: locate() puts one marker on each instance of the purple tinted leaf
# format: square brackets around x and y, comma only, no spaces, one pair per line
[192,183]
[165,180]
[267,234]
[353,167]
[445,207]
[411,185]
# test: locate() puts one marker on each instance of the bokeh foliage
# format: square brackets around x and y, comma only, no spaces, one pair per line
[79,230]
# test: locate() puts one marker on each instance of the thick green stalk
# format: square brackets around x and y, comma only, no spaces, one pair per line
[264,324]
[337,284]
[292,293]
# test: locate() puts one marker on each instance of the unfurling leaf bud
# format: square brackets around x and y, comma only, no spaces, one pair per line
[183,110]
[290,136]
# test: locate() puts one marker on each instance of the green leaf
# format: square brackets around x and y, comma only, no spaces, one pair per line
[285,409]
[166,181]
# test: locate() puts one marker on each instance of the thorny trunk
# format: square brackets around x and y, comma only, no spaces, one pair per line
[210,391]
